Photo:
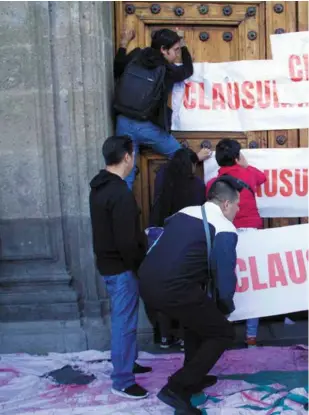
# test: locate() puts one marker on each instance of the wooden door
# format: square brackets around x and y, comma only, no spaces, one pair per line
[214,32]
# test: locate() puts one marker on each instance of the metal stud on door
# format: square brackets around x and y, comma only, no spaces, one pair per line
[204,36]
[251,11]
[278,8]
[130,9]
[203,9]
[184,143]
[179,11]
[253,144]
[281,140]
[227,36]
[227,10]
[252,35]
[155,8]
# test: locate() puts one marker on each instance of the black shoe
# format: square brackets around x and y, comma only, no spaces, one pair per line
[181,404]
[166,343]
[132,392]
[139,370]
[208,380]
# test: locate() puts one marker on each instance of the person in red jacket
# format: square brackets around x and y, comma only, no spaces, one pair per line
[232,162]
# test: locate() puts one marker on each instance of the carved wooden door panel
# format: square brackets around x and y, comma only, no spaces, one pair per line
[214,32]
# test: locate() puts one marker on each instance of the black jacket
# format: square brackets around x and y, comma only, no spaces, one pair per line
[119,244]
[152,58]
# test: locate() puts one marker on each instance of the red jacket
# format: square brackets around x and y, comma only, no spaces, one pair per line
[248,214]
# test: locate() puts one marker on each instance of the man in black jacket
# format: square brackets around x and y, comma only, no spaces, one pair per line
[171,279]
[166,46]
[119,247]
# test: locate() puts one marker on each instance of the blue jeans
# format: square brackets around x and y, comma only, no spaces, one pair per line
[147,133]
[252,327]
[124,297]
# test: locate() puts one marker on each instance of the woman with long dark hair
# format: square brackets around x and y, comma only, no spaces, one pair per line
[176,187]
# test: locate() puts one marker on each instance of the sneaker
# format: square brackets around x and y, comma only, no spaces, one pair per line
[251,342]
[132,392]
[181,404]
[166,343]
[139,370]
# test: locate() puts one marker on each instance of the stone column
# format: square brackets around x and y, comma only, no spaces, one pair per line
[55,96]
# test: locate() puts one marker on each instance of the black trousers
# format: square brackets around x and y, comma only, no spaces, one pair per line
[207,334]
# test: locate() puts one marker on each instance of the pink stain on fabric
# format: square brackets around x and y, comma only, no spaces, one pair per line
[42,393]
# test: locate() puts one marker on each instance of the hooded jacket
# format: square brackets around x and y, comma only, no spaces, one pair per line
[152,58]
[119,245]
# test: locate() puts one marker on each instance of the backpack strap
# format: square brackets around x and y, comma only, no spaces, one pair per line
[207,233]
[211,286]
[242,184]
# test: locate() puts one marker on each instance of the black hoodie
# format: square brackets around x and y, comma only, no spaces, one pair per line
[151,58]
[119,244]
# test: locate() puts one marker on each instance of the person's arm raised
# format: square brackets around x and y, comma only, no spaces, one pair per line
[184,71]
[121,57]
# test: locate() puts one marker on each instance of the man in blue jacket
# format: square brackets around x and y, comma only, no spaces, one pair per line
[172,277]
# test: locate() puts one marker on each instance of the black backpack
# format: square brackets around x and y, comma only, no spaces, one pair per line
[139,90]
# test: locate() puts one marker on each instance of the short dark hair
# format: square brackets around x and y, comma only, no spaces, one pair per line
[224,188]
[227,151]
[164,38]
[115,148]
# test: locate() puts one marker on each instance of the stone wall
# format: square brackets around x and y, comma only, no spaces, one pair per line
[55,93]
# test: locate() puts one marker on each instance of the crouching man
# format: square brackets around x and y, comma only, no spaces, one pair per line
[172,277]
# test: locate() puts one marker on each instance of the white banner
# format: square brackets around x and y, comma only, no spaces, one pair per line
[243,95]
[285,193]
[272,269]
[291,50]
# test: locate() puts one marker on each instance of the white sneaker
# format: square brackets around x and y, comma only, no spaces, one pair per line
[132,392]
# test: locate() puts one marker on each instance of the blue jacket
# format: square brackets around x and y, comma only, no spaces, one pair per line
[176,268]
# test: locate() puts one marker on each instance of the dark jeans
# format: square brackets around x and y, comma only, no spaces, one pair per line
[207,334]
